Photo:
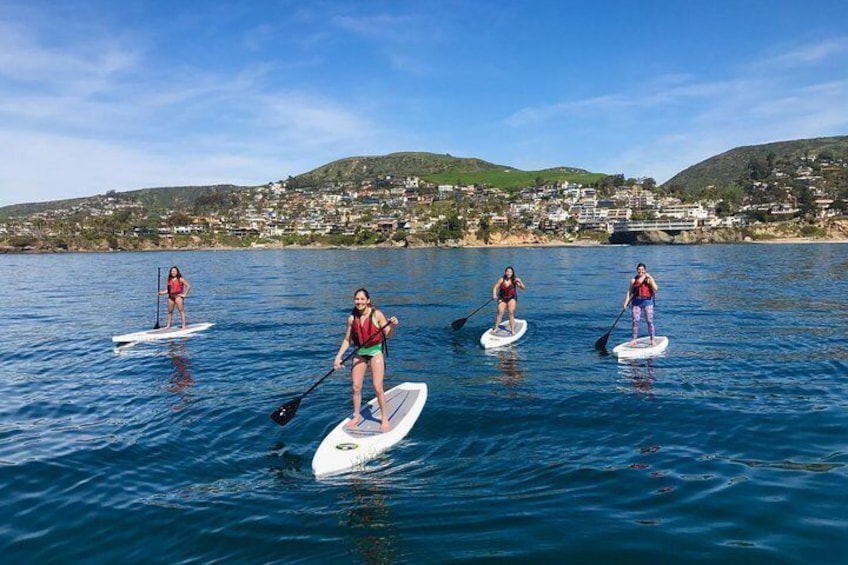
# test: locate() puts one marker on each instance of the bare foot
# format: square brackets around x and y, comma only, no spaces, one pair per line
[353,422]
[632,343]
[652,342]
[386,426]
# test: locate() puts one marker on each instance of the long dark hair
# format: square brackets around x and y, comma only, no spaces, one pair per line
[178,275]
[354,311]
[512,278]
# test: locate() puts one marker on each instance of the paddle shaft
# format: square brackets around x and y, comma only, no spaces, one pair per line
[602,341]
[458,323]
[293,404]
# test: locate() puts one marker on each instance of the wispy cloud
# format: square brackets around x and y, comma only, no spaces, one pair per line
[101,116]
[680,119]
[375,27]
[806,54]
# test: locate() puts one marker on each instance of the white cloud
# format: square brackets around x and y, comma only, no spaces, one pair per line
[806,54]
[670,122]
[92,116]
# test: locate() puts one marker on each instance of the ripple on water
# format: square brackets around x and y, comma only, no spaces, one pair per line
[731,446]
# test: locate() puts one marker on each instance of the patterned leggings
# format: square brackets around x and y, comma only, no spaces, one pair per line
[637,317]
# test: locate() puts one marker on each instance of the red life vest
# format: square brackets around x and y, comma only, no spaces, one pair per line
[361,331]
[642,290]
[175,286]
[507,291]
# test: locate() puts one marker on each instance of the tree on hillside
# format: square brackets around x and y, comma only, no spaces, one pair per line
[807,202]
[608,183]
[484,230]
[451,227]
[770,161]
[179,219]
[757,170]
[729,199]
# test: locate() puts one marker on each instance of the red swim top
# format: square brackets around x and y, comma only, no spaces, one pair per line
[507,291]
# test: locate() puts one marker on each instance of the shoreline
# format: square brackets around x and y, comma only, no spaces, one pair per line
[513,244]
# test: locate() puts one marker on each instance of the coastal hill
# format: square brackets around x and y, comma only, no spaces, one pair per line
[430,167]
[155,199]
[439,169]
[728,168]
[733,167]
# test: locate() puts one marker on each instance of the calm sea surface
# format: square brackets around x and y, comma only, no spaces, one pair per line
[730,448]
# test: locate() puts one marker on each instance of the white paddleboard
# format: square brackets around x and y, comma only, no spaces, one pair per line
[161,333]
[496,338]
[642,348]
[346,448]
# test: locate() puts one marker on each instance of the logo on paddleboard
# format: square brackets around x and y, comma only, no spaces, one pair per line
[347,446]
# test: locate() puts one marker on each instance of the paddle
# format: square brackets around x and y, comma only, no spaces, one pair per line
[459,322]
[286,412]
[158,290]
[601,344]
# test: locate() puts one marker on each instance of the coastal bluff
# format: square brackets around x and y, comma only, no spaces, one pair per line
[823,230]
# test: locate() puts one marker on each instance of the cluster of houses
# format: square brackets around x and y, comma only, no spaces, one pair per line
[393,204]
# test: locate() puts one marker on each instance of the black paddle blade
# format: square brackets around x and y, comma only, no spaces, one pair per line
[601,344]
[286,412]
[458,323]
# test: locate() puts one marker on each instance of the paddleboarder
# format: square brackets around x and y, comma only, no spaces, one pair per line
[505,292]
[640,296]
[367,330]
[177,289]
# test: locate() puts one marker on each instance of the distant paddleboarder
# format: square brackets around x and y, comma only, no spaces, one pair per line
[640,296]
[505,292]
[177,289]
[367,330]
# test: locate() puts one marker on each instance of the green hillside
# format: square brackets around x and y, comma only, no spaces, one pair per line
[728,168]
[439,169]
[430,167]
[154,199]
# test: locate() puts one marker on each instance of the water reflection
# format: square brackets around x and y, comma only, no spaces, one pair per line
[287,465]
[369,518]
[181,379]
[641,374]
[511,374]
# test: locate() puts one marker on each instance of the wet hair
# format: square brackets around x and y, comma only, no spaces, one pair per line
[353,310]
[641,265]
[512,278]
[178,275]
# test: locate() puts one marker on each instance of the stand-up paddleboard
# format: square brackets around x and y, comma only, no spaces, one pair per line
[642,348]
[346,448]
[161,333]
[502,336]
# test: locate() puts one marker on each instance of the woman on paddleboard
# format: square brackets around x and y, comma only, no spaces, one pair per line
[505,292]
[177,289]
[367,330]
[640,295]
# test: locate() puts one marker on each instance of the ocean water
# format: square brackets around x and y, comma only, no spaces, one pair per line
[732,447]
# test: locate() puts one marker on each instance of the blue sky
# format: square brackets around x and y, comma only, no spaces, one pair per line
[100,95]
